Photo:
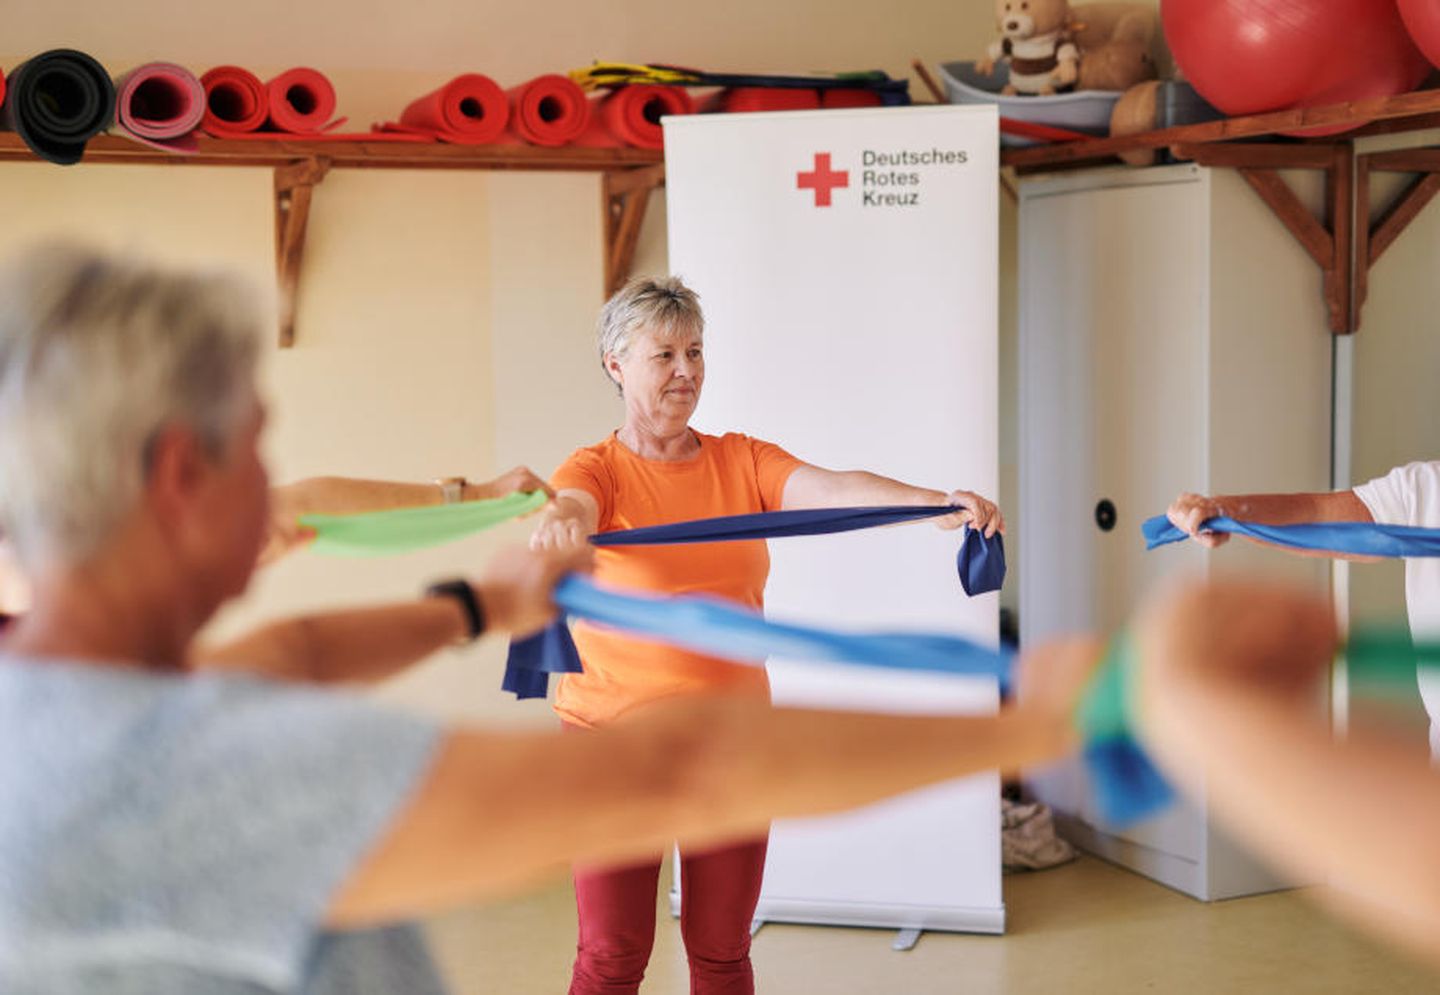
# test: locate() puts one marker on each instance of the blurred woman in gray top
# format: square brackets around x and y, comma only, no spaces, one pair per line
[230,828]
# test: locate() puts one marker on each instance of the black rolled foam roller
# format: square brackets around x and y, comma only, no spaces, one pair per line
[57,102]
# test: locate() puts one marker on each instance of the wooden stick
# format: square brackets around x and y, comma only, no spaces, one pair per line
[923,72]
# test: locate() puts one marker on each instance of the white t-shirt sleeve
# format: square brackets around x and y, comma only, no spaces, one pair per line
[1407,495]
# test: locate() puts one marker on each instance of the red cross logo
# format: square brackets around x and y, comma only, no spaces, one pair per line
[822,179]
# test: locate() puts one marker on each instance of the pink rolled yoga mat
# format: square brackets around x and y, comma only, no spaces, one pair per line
[160,104]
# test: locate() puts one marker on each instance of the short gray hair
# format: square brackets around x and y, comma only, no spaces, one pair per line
[663,303]
[97,356]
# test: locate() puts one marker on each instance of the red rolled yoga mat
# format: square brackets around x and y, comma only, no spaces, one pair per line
[302,102]
[741,99]
[549,110]
[2,89]
[469,110]
[237,105]
[160,104]
[631,116]
[850,98]
[236,102]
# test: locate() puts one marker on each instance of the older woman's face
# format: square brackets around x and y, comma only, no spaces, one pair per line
[662,373]
[236,492]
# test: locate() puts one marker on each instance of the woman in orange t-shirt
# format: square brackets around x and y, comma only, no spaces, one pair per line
[654,470]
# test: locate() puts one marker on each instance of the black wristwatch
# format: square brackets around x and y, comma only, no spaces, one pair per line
[463,592]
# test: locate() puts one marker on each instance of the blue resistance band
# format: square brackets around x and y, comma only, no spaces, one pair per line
[980,563]
[722,628]
[1358,538]
[1127,785]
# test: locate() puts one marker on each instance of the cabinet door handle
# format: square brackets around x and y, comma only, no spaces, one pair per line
[1105,515]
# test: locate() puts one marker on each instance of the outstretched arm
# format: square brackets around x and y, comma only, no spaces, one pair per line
[370,644]
[350,495]
[498,810]
[815,487]
[1189,511]
[1230,696]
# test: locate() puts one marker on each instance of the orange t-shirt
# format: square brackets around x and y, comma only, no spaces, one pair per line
[732,475]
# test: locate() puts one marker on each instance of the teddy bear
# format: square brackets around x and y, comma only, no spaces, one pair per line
[1034,37]
[1053,47]
[1117,42]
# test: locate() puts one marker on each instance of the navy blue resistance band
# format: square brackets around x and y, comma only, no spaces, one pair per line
[980,563]
[1358,538]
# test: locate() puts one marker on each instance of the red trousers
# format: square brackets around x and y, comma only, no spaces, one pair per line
[718,891]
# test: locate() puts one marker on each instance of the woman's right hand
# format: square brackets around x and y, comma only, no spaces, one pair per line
[517,586]
[561,527]
[1189,511]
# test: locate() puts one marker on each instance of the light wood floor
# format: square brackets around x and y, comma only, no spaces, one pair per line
[1084,928]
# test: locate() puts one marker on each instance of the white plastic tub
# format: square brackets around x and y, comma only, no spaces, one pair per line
[1083,110]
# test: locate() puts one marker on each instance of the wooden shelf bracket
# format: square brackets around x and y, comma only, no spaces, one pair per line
[1372,239]
[294,184]
[624,196]
[1329,240]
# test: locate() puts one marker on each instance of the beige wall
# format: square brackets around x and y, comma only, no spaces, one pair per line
[1397,370]
[381,53]
[445,321]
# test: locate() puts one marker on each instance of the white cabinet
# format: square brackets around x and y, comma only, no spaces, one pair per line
[1172,338]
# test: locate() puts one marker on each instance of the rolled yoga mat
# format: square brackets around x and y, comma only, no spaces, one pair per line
[2,88]
[160,104]
[301,102]
[631,116]
[57,102]
[834,99]
[236,102]
[1358,538]
[745,99]
[469,110]
[549,110]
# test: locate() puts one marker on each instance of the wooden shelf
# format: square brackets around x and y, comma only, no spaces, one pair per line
[351,154]
[1344,243]
[1409,111]
[629,176]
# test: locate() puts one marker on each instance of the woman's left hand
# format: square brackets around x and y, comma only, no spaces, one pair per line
[977,512]
[285,534]
[520,479]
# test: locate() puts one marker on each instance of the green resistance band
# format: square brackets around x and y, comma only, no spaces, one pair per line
[1127,786]
[1385,659]
[1105,708]
[1379,656]
[403,530]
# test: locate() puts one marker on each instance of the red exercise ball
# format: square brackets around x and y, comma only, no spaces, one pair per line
[1422,19]
[1253,56]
